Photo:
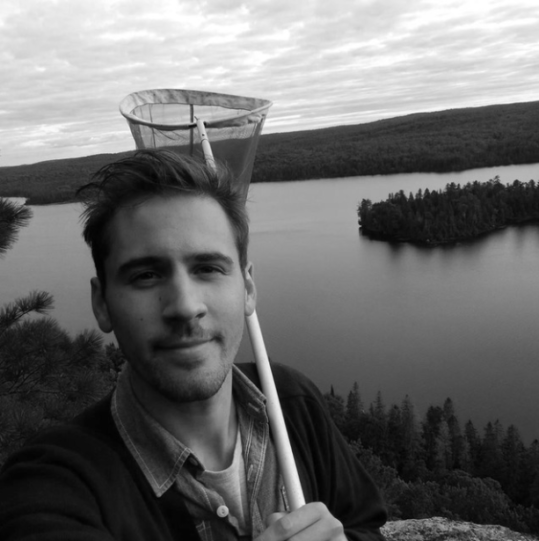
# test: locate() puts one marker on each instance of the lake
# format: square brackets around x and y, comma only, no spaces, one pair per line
[458,321]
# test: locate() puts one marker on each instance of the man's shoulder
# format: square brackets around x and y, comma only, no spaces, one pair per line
[90,433]
[290,383]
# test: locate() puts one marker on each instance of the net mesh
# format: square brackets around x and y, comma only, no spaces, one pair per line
[167,118]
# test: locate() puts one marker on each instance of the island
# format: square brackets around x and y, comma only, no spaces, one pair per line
[454,214]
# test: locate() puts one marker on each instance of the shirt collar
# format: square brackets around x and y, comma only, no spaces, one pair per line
[158,453]
[248,396]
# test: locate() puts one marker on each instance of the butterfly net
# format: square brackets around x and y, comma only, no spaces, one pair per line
[167,118]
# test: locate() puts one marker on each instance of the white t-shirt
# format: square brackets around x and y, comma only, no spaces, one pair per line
[231,484]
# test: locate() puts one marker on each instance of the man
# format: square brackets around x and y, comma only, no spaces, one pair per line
[181,450]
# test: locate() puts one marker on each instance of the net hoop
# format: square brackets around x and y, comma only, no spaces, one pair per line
[253,109]
[173,118]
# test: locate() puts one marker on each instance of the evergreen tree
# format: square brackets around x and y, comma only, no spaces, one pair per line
[429,434]
[465,461]
[12,218]
[513,478]
[393,449]
[354,412]
[532,474]
[379,426]
[474,445]
[491,462]
[336,409]
[443,456]
[410,459]
[459,451]
[45,375]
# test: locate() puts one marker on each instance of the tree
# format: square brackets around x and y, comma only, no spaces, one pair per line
[378,426]
[409,466]
[532,473]
[354,411]
[459,449]
[45,375]
[385,477]
[474,445]
[12,218]
[430,430]
[443,456]
[491,462]
[395,434]
[513,477]
[335,405]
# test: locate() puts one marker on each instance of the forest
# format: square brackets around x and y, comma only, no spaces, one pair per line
[435,466]
[452,140]
[439,142]
[455,214]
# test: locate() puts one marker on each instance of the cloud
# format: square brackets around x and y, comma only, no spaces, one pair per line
[66,65]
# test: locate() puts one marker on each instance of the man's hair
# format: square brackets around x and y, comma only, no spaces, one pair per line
[151,173]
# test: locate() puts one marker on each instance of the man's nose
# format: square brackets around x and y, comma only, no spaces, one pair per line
[183,299]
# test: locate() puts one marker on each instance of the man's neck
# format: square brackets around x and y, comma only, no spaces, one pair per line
[209,427]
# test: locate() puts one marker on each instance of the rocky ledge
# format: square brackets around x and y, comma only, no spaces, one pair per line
[442,529]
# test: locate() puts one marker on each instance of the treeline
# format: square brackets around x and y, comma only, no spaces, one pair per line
[54,181]
[437,467]
[452,140]
[456,213]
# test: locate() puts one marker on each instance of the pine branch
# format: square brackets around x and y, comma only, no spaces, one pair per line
[12,218]
[39,302]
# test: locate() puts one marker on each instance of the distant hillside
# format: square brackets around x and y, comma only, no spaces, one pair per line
[54,181]
[452,140]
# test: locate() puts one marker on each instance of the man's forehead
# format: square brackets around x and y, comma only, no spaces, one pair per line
[145,220]
[172,207]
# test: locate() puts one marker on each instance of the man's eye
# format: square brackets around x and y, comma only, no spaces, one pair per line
[144,277]
[209,269]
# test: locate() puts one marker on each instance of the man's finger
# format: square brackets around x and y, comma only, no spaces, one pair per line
[312,522]
[274,517]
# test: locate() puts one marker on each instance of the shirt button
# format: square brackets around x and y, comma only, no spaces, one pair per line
[222,511]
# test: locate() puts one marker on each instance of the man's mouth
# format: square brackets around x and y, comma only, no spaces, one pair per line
[176,344]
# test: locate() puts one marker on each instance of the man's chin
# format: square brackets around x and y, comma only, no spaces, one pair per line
[192,381]
[193,390]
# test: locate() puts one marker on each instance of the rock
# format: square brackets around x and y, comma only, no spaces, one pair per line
[442,529]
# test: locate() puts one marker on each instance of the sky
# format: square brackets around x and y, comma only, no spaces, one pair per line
[66,64]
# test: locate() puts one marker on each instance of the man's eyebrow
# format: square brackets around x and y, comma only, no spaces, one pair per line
[213,257]
[136,262]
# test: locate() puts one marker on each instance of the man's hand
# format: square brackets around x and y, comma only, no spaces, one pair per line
[312,522]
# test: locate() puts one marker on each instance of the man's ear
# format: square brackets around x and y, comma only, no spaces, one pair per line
[99,306]
[250,290]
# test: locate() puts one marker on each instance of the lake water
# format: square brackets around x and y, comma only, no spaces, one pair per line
[457,321]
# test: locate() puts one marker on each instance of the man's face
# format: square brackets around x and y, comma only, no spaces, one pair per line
[176,296]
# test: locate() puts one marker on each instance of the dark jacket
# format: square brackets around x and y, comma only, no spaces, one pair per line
[79,482]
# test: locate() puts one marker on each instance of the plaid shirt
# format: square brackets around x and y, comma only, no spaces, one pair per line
[166,463]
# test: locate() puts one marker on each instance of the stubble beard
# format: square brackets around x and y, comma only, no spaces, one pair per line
[194,386]
[192,382]
[189,381]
